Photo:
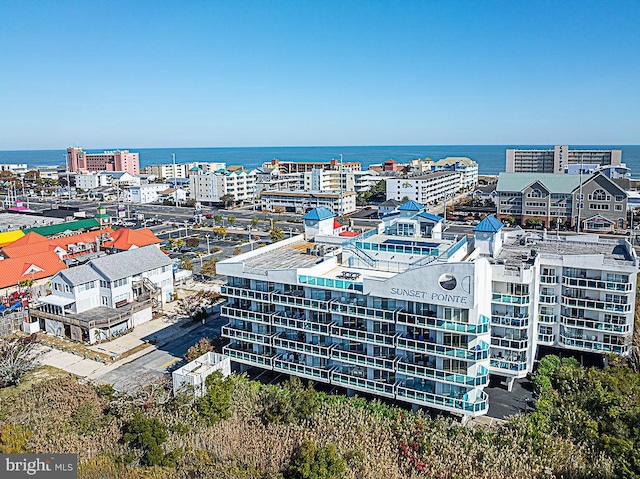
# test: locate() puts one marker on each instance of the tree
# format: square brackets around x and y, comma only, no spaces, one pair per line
[215,405]
[205,345]
[17,357]
[146,435]
[533,222]
[227,199]
[231,220]
[254,221]
[220,231]
[276,234]
[312,462]
[193,242]
[217,219]
[209,267]
[186,263]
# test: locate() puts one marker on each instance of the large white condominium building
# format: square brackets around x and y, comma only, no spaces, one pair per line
[210,187]
[426,189]
[557,159]
[181,170]
[467,168]
[405,312]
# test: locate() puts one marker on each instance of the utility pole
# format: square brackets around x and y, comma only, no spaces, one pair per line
[175,178]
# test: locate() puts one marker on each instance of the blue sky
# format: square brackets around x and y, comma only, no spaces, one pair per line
[286,73]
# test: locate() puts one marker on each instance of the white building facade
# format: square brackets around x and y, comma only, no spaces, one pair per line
[557,159]
[425,189]
[401,313]
[210,187]
[302,201]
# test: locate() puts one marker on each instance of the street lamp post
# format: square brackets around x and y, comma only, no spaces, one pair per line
[208,250]
[186,231]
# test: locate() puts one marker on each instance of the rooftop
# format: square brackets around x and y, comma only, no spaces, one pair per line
[517,251]
[131,262]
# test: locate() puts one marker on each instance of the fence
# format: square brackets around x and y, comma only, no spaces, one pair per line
[10,323]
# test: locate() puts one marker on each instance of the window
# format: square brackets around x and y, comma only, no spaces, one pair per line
[618,208]
[599,195]
[619,198]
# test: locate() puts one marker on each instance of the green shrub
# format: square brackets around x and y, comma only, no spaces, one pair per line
[311,462]
[146,435]
[215,405]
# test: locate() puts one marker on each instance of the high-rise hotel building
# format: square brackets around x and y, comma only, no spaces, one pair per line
[407,312]
[558,159]
[117,160]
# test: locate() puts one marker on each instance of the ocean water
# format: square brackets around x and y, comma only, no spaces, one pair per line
[491,159]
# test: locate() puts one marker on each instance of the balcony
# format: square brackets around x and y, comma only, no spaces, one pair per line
[516,344]
[441,324]
[595,325]
[303,325]
[508,365]
[477,353]
[247,357]
[547,338]
[300,347]
[595,305]
[246,315]
[510,298]
[548,279]
[300,369]
[301,302]
[248,336]
[411,391]
[510,321]
[356,380]
[362,336]
[363,359]
[596,284]
[591,345]
[245,293]
[546,318]
[548,298]
[363,312]
[426,372]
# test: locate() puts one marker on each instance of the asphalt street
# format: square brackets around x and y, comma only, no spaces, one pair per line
[159,362]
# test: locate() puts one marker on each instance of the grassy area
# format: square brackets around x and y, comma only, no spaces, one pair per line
[73,347]
[41,374]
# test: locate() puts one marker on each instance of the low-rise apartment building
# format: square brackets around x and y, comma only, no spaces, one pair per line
[467,168]
[209,187]
[302,201]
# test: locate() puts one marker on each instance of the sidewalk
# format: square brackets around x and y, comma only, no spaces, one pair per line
[162,330]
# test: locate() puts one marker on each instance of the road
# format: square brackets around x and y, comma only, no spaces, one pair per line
[159,362]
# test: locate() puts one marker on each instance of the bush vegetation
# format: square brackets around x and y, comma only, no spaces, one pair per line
[584,425]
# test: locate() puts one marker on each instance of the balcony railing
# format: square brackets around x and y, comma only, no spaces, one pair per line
[301,302]
[247,357]
[594,325]
[362,311]
[362,384]
[596,305]
[476,353]
[547,338]
[319,374]
[547,318]
[596,284]
[245,293]
[301,324]
[591,345]
[415,370]
[249,336]
[518,344]
[508,365]
[510,298]
[245,315]
[297,346]
[362,336]
[510,321]
[441,324]
[363,359]
[480,406]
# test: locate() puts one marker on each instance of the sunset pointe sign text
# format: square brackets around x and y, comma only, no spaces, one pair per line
[433,296]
